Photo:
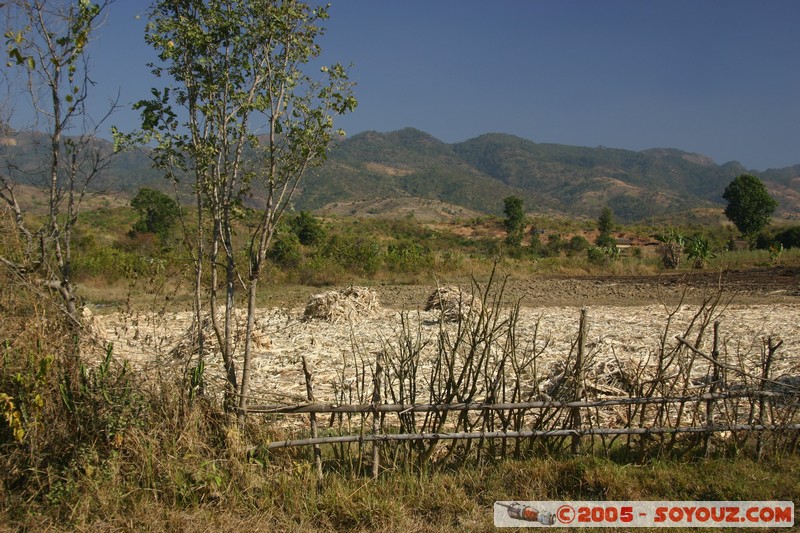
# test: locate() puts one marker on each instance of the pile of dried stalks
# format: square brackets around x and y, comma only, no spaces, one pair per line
[348,303]
[454,303]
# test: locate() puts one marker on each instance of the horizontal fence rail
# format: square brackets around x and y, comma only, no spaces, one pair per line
[549,404]
[386,437]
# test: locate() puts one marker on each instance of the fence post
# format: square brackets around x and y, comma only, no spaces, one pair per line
[313,417]
[766,364]
[711,403]
[376,400]
[577,422]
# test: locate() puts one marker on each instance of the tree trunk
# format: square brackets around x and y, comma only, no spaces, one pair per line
[248,346]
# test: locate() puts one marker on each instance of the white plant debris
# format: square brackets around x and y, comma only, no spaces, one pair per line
[622,343]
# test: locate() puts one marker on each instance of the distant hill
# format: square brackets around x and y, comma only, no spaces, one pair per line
[552,178]
[127,172]
[377,172]
[634,184]
[405,163]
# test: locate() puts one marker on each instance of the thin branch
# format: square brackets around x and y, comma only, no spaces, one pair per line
[736,369]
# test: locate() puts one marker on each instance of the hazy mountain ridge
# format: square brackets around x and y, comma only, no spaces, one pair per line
[574,180]
[478,173]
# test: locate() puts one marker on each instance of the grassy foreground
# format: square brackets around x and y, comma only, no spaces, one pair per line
[286,498]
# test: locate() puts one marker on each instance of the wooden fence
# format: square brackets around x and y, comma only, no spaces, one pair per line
[762,406]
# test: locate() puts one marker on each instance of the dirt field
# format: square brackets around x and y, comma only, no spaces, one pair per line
[627,319]
[764,285]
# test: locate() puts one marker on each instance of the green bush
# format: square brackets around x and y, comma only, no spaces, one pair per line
[577,244]
[699,251]
[285,250]
[554,245]
[602,256]
[112,264]
[308,229]
[449,260]
[321,271]
[58,414]
[360,255]
[764,240]
[789,237]
[407,256]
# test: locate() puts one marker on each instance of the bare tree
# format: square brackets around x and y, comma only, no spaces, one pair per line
[48,50]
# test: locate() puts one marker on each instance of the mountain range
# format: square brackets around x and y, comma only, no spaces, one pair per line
[477,174]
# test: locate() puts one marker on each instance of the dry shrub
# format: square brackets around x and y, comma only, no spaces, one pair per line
[605,376]
[613,376]
[61,410]
[349,303]
[38,355]
[670,253]
[454,303]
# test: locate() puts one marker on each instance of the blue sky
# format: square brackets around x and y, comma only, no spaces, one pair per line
[720,78]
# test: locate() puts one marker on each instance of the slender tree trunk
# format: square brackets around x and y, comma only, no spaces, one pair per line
[198,286]
[54,231]
[252,291]
[221,333]
[230,319]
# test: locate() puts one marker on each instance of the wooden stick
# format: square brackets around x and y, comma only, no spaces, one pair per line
[766,365]
[313,417]
[550,404]
[525,434]
[710,404]
[577,421]
[376,401]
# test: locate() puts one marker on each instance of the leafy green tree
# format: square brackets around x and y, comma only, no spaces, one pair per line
[157,212]
[605,224]
[749,205]
[240,83]
[308,229]
[789,237]
[514,222]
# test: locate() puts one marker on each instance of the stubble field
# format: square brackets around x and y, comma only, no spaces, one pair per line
[627,321]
